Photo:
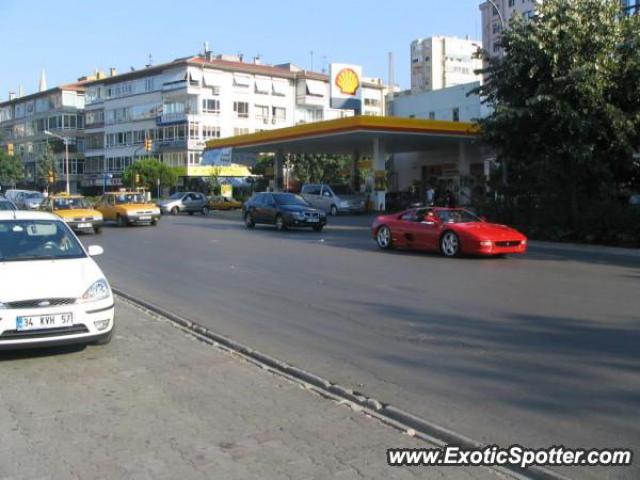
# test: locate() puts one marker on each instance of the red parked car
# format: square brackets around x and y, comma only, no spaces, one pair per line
[451,231]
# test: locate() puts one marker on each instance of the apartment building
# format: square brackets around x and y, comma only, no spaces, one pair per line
[496,15]
[442,62]
[181,104]
[178,105]
[60,111]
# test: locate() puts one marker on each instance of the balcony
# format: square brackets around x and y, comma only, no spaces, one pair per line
[171,118]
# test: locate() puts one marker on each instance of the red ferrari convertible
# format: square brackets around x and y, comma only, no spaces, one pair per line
[452,231]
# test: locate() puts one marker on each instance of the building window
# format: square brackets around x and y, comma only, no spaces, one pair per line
[210,105]
[194,130]
[210,132]
[240,131]
[279,114]
[262,113]
[241,109]
[456,114]
[372,102]
[194,158]
[512,3]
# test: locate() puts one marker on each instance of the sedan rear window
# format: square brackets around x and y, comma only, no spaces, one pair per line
[22,240]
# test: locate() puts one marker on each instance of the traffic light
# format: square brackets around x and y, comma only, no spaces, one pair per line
[148,144]
[10,150]
[51,177]
[137,179]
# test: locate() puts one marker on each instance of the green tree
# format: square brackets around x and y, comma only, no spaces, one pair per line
[212,181]
[47,167]
[566,108]
[148,171]
[317,168]
[11,168]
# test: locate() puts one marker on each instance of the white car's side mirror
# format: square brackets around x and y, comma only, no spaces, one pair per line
[95,250]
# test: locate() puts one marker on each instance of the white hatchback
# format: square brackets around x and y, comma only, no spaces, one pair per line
[51,290]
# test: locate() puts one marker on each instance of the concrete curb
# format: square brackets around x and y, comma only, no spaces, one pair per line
[388,414]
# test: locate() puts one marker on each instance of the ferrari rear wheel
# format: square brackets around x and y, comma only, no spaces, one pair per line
[450,244]
[383,237]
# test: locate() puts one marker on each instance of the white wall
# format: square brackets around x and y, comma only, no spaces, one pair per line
[441,103]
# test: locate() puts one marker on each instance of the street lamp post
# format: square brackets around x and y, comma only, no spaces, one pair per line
[501,18]
[66,154]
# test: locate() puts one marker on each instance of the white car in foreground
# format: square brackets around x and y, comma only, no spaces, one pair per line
[51,290]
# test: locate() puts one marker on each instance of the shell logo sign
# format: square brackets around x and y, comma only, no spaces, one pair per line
[347,81]
[346,86]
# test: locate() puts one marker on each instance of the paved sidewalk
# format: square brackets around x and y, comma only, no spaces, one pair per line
[158,404]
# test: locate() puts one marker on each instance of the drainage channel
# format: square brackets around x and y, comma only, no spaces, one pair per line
[384,412]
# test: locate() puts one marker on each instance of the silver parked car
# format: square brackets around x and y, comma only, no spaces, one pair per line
[28,200]
[189,202]
[334,199]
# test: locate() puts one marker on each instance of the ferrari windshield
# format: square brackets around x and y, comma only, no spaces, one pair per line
[22,240]
[457,216]
[73,203]
[125,198]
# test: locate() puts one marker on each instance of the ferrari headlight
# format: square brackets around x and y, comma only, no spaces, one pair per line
[486,243]
[98,291]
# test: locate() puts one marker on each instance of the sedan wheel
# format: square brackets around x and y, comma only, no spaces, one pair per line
[383,237]
[205,211]
[450,244]
[175,211]
[248,221]
[122,222]
[280,223]
[333,211]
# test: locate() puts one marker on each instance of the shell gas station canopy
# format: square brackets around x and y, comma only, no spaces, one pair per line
[359,136]
[351,134]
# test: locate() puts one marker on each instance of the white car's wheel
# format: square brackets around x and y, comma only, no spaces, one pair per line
[383,237]
[450,244]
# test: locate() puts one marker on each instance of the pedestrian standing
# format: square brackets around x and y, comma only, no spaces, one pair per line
[430,195]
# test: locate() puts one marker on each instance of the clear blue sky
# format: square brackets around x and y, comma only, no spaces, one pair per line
[70,38]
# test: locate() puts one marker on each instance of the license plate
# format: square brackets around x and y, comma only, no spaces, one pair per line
[145,217]
[38,322]
[84,225]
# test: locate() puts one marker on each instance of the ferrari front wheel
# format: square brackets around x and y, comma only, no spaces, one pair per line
[450,244]
[383,237]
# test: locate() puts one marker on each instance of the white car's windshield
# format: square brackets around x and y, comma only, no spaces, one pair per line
[22,240]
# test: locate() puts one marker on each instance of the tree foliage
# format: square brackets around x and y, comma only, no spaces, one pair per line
[11,168]
[149,170]
[47,167]
[566,108]
[316,168]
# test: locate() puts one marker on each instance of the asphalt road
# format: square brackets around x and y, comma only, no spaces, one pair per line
[540,350]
